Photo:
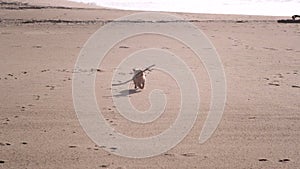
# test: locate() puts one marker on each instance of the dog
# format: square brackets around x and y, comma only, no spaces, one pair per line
[139,78]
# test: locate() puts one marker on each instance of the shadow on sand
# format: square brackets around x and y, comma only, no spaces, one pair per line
[127,92]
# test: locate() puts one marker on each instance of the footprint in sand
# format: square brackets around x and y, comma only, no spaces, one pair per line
[72,146]
[295,72]
[67,78]
[5,120]
[5,144]
[37,46]
[123,47]
[169,154]
[113,148]
[270,48]
[188,154]
[262,159]
[96,148]
[274,84]
[50,86]
[99,70]
[278,78]
[45,70]
[279,75]
[36,97]
[275,79]
[104,165]
[23,108]
[11,75]
[284,160]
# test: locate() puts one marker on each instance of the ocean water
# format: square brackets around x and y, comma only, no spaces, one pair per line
[247,7]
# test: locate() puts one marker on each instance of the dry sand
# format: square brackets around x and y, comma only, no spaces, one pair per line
[39,129]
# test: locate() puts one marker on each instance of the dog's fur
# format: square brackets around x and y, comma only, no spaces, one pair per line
[139,78]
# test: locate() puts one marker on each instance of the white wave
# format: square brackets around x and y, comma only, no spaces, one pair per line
[247,7]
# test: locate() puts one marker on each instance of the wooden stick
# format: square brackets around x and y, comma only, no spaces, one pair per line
[146,69]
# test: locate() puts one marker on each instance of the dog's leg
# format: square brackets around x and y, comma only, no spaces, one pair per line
[135,86]
[142,85]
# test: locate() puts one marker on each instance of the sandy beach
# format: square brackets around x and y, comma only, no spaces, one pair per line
[40,43]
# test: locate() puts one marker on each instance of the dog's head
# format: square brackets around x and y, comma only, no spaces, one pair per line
[137,71]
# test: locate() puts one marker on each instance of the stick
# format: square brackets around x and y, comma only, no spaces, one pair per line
[146,69]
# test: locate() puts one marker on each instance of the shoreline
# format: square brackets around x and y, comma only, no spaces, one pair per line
[64,4]
[187,12]
[92,11]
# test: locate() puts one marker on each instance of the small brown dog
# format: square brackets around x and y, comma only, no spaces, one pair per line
[139,78]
